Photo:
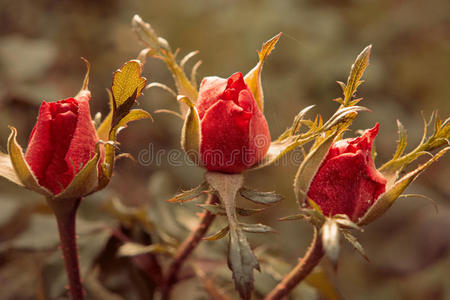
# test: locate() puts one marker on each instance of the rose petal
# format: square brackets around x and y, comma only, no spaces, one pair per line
[210,90]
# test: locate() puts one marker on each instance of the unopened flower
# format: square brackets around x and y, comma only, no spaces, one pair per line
[347,181]
[234,132]
[62,142]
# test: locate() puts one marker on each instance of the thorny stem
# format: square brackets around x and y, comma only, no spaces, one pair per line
[303,269]
[187,247]
[66,226]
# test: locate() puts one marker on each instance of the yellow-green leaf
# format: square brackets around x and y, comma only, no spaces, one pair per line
[356,72]
[126,81]
[253,78]
[218,235]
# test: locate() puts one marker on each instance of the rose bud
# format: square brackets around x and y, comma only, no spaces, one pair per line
[234,134]
[347,181]
[62,142]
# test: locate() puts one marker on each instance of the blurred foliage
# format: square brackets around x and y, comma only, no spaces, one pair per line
[40,45]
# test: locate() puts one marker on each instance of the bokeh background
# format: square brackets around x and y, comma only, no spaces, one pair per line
[41,43]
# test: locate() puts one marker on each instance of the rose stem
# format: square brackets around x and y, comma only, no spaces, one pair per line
[66,226]
[303,268]
[188,246]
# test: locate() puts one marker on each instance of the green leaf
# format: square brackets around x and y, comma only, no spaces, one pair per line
[190,194]
[21,167]
[265,198]
[385,201]
[190,134]
[218,235]
[253,78]
[134,249]
[296,217]
[256,228]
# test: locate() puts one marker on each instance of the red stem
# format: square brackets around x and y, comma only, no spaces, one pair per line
[187,247]
[66,226]
[303,269]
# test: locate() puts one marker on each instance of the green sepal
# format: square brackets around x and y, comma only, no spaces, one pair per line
[190,134]
[394,191]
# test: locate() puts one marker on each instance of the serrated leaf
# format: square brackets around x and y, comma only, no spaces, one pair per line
[388,198]
[218,235]
[134,249]
[253,78]
[21,167]
[265,198]
[355,243]
[330,240]
[190,134]
[256,228]
[402,139]
[190,194]
[356,72]
[127,81]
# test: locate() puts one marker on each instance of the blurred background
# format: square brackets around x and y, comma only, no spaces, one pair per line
[41,43]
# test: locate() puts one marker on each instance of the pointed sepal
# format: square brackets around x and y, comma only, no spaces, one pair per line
[191,134]
[253,78]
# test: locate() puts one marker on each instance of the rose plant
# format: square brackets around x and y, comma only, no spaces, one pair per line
[66,160]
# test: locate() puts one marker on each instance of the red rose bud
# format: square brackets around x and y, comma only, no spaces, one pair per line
[62,142]
[234,132]
[347,181]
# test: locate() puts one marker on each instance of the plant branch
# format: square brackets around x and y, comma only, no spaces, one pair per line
[303,269]
[66,226]
[188,246]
